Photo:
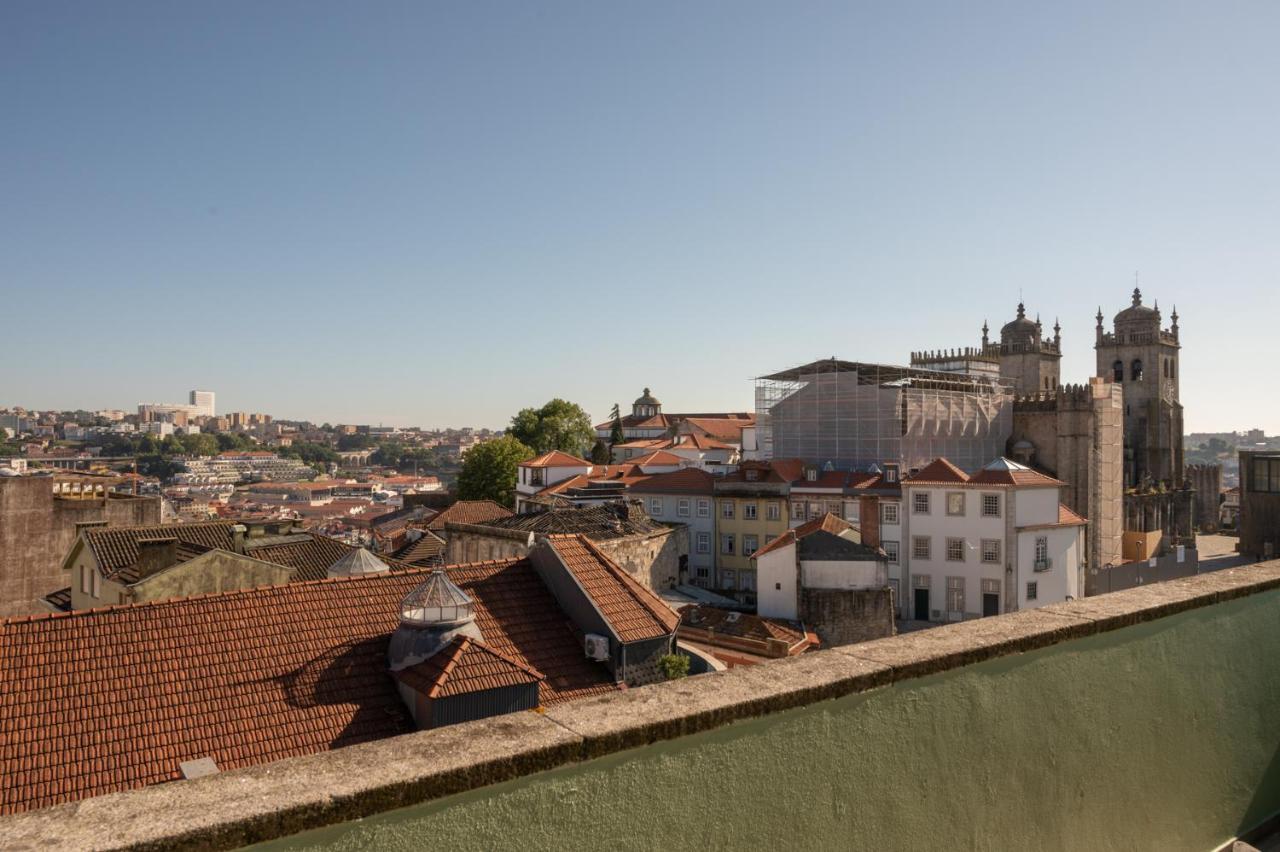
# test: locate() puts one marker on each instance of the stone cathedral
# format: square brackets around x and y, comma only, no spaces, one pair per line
[1116,440]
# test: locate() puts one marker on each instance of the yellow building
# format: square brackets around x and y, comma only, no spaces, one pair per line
[751,510]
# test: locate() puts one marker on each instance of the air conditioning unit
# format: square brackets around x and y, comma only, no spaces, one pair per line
[597,647]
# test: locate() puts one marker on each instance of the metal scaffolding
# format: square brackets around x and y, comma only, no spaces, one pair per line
[853,415]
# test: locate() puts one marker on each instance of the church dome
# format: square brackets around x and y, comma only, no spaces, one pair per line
[1138,312]
[647,399]
[1021,329]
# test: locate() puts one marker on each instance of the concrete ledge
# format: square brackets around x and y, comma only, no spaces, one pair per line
[664,711]
[244,806]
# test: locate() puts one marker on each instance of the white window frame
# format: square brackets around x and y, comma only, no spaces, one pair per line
[773,511]
[726,509]
[921,502]
[991,548]
[797,510]
[889,514]
[750,544]
[955,543]
[655,505]
[918,552]
[750,511]
[891,550]
[703,542]
[988,500]
[728,544]
[704,508]
[682,507]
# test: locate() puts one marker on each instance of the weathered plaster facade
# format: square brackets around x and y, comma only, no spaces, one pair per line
[37,528]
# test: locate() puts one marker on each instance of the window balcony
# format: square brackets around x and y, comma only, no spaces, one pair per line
[1164,695]
[1045,564]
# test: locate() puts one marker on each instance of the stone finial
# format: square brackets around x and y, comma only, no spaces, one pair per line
[1137,297]
[1099,317]
[1057,330]
[1022,311]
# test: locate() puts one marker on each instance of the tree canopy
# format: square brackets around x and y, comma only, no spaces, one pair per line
[558,425]
[489,470]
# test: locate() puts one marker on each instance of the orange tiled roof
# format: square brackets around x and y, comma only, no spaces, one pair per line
[657,458]
[633,611]
[690,480]
[699,442]
[113,699]
[556,458]
[742,625]
[1013,477]
[1066,517]
[465,665]
[827,523]
[116,548]
[469,512]
[937,472]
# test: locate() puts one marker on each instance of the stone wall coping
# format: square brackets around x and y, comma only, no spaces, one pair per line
[249,805]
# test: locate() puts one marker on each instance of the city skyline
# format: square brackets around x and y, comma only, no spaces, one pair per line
[476,188]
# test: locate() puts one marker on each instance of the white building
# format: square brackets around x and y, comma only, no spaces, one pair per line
[994,542]
[544,471]
[824,554]
[203,402]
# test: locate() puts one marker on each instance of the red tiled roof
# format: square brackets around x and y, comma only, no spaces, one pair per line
[309,554]
[469,512]
[1068,518]
[113,699]
[699,442]
[937,472]
[742,625]
[689,480]
[656,458]
[724,428]
[427,550]
[633,611]
[827,523]
[116,548]
[465,665]
[555,458]
[787,538]
[1023,478]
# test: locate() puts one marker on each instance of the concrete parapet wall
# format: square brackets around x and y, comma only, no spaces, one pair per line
[979,733]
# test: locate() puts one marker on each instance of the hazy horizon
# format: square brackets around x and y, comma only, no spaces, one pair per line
[430,215]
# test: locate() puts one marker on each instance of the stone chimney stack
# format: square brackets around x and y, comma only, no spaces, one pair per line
[156,554]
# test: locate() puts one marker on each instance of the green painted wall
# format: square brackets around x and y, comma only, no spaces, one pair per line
[1161,736]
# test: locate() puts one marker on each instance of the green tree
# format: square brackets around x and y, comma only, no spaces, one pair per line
[489,470]
[558,425]
[600,453]
[616,435]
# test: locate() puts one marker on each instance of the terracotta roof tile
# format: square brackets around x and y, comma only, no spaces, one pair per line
[742,625]
[113,699]
[937,472]
[633,611]
[689,480]
[556,458]
[465,665]
[469,512]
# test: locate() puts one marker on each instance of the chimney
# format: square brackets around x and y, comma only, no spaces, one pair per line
[237,537]
[869,520]
[155,555]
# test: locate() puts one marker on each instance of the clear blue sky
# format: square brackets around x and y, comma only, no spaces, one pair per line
[437,214]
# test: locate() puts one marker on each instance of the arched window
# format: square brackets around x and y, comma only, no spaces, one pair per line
[1135,370]
[1046,382]
[1117,371]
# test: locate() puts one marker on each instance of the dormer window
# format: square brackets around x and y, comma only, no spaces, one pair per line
[811,474]
[753,475]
